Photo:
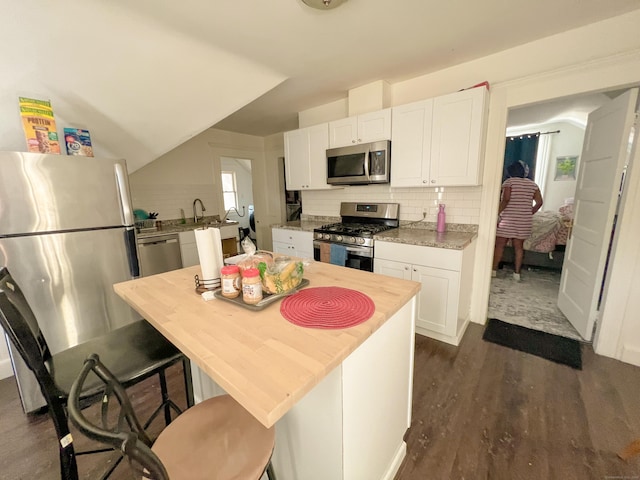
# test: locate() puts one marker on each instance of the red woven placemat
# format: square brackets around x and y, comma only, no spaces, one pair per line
[327,307]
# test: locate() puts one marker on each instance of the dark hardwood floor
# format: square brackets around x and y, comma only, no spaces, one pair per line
[480,411]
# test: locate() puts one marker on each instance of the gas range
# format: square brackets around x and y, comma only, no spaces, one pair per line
[360,222]
[350,233]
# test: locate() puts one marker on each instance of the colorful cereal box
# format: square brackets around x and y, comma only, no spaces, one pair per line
[78,142]
[39,125]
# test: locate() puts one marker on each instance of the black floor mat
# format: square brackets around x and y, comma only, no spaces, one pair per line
[552,347]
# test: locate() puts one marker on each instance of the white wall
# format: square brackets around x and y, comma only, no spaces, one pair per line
[192,170]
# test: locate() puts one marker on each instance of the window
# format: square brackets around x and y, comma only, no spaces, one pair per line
[229,191]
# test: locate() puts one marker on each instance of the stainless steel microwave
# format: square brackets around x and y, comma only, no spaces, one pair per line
[359,164]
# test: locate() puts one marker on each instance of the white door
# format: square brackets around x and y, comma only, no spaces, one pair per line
[604,154]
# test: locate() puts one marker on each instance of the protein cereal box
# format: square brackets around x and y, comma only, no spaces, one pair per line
[78,142]
[39,125]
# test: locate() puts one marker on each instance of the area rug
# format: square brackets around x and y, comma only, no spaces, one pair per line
[552,347]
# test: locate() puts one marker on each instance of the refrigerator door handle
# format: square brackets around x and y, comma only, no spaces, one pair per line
[132,252]
[123,193]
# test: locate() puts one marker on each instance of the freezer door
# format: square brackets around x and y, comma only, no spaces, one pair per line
[68,280]
[48,193]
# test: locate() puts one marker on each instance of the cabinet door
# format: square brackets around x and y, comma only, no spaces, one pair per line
[318,138]
[296,157]
[457,137]
[392,269]
[411,144]
[305,153]
[293,242]
[374,126]
[283,248]
[438,299]
[343,132]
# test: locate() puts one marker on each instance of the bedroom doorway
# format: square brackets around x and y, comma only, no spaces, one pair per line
[533,302]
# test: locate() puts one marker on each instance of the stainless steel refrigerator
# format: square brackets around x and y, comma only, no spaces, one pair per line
[67,235]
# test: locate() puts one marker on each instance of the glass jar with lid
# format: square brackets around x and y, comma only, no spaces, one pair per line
[251,286]
[231,282]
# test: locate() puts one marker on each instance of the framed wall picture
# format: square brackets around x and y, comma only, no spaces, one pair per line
[566,167]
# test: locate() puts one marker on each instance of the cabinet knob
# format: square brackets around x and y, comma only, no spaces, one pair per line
[424,181]
[433,181]
[353,141]
[359,140]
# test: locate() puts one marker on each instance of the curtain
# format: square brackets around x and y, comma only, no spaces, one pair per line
[521,147]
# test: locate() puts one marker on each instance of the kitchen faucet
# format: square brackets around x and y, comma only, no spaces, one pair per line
[195,212]
[224,219]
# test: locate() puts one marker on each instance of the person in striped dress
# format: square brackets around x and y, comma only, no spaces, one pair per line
[520,199]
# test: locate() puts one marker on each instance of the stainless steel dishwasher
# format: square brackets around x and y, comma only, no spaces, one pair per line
[159,253]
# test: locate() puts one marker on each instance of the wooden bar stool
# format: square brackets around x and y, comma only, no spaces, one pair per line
[214,440]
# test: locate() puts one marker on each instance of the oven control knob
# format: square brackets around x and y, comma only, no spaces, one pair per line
[327,236]
[361,240]
[338,238]
[352,239]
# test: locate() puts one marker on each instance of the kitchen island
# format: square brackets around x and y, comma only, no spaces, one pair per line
[340,399]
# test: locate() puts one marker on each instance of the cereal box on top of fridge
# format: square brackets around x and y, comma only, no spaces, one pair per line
[39,125]
[78,142]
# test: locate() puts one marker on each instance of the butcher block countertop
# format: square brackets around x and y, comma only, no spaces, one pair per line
[262,360]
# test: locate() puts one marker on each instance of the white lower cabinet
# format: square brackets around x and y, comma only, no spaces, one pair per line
[295,243]
[445,274]
[189,249]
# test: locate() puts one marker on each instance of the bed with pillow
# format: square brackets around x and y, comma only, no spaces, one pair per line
[546,245]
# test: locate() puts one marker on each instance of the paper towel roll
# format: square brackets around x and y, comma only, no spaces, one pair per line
[210,254]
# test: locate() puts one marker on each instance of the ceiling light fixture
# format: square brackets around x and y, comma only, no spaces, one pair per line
[324,4]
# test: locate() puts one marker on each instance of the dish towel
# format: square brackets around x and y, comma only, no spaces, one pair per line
[338,254]
[325,252]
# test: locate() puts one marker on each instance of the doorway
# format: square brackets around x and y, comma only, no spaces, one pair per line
[237,192]
[533,302]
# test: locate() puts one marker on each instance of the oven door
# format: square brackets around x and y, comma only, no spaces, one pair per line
[360,258]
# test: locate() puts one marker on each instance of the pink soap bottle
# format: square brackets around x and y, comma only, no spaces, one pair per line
[441,219]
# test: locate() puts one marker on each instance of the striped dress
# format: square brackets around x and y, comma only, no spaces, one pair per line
[516,219]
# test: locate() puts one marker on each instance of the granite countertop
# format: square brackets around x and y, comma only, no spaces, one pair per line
[451,239]
[169,227]
[302,225]
[457,236]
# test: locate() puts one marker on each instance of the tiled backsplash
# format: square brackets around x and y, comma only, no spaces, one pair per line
[462,203]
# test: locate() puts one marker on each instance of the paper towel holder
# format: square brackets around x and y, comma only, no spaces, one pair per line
[206,285]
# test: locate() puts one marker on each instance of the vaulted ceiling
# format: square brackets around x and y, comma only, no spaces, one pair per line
[146,76]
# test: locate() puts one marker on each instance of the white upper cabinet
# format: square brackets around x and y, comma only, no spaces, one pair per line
[305,153]
[411,144]
[438,142]
[365,128]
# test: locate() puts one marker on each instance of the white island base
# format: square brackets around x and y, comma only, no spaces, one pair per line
[351,425]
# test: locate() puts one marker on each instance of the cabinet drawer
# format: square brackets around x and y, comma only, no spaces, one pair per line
[417,255]
[297,237]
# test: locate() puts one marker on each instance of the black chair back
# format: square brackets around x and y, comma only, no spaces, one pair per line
[18,320]
[120,428]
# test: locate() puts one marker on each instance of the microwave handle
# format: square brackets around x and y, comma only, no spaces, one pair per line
[367,163]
